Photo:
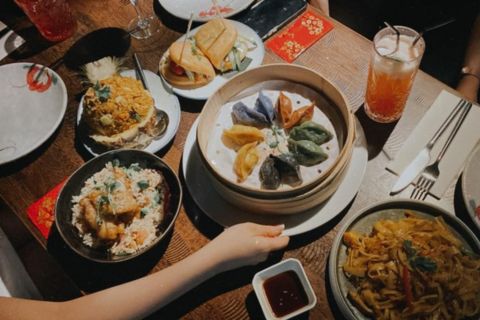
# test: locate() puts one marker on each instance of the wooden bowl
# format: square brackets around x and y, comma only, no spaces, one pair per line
[287,205]
[278,77]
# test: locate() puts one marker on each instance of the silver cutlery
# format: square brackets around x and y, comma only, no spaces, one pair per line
[430,174]
[423,157]
[162,116]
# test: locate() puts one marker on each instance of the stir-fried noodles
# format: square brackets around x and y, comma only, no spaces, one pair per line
[412,268]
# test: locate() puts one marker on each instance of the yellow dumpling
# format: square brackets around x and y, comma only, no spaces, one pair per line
[246,160]
[241,135]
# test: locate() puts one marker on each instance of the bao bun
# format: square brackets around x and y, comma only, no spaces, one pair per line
[191,60]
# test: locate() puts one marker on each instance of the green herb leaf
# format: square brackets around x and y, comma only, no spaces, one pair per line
[416,261]
[115,162]
[102,93]
[143,212]
[424,263]
[135,167]
[244,64]
[143,184]
[135,115]
[157,197]
[111,186]
[408,246]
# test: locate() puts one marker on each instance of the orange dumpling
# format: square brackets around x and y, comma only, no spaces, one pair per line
[301,115]
[246,160]
[284,109]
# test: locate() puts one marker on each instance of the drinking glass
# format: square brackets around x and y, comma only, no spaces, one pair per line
[394,63]
[140,27]
[53,18]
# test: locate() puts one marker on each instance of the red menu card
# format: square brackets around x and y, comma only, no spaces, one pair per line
[299,35]
[41,212]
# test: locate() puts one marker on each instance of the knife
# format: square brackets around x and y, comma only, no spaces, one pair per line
[423,157]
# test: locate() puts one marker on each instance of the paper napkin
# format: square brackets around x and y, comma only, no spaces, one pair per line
[299,35]
[41,212]
[9,42]
[454,159]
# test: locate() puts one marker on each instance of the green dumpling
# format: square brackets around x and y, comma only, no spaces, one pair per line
[307,152]
[311,131]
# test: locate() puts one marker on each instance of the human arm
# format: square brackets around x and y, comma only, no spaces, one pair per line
[470,84]
[240,245]
[322,5]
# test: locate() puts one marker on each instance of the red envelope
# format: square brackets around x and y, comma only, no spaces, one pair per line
[41,212]
[299,35]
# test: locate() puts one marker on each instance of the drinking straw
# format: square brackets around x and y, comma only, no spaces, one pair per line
[420,34]
[217,11]
[186,35]
[398,36]
[217,8]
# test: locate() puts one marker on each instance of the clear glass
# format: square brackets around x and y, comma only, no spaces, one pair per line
[53,18]
[393,66]
[140,27]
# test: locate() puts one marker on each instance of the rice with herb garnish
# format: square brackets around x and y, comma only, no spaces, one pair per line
[120,208]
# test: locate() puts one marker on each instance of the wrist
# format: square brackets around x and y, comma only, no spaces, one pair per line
[469,72]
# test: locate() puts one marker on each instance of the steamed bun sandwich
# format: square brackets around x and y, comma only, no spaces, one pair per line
[118,111]
[188,69]
[224,47]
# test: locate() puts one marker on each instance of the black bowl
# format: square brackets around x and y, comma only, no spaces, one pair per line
[74,184]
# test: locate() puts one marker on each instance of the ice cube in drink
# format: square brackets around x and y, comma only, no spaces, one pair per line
[391,74]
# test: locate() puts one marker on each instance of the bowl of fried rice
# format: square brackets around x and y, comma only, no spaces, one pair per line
[118,205]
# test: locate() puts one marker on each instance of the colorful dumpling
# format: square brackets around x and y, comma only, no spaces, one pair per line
[311,131]
[301,115]
[280,169]
[265,106]
[284,109]
[306,152]
[241,135]
[269,174]
[242,114]
[246,160]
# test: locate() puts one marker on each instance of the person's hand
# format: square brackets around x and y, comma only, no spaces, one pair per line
[468,87]
[245,244]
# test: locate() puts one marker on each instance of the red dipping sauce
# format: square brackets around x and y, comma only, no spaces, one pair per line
[285,293]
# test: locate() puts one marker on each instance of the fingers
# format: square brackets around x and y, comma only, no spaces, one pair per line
[278,243]
[268,231]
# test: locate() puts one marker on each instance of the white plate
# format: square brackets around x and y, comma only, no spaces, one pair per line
[227,215]
[203,10]
[28,117]
[164,100]
[471,184]
[204,92]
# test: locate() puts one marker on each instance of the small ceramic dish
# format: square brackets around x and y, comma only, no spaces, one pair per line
[282,267]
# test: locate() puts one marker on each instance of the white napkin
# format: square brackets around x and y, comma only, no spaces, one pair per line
[9,42]
[452,163]
[3,290]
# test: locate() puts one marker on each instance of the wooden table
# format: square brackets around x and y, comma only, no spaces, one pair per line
[341,56]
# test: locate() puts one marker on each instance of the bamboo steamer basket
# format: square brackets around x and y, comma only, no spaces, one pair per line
[287,205]
[338,106]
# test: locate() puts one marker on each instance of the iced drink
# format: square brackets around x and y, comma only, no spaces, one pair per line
[53,18]
[393,66]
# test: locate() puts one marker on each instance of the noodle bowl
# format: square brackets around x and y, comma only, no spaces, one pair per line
[412,268]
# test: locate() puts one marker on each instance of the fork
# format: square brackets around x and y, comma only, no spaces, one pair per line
[430,174]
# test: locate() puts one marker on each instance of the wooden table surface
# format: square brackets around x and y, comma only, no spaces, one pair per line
[341,56]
